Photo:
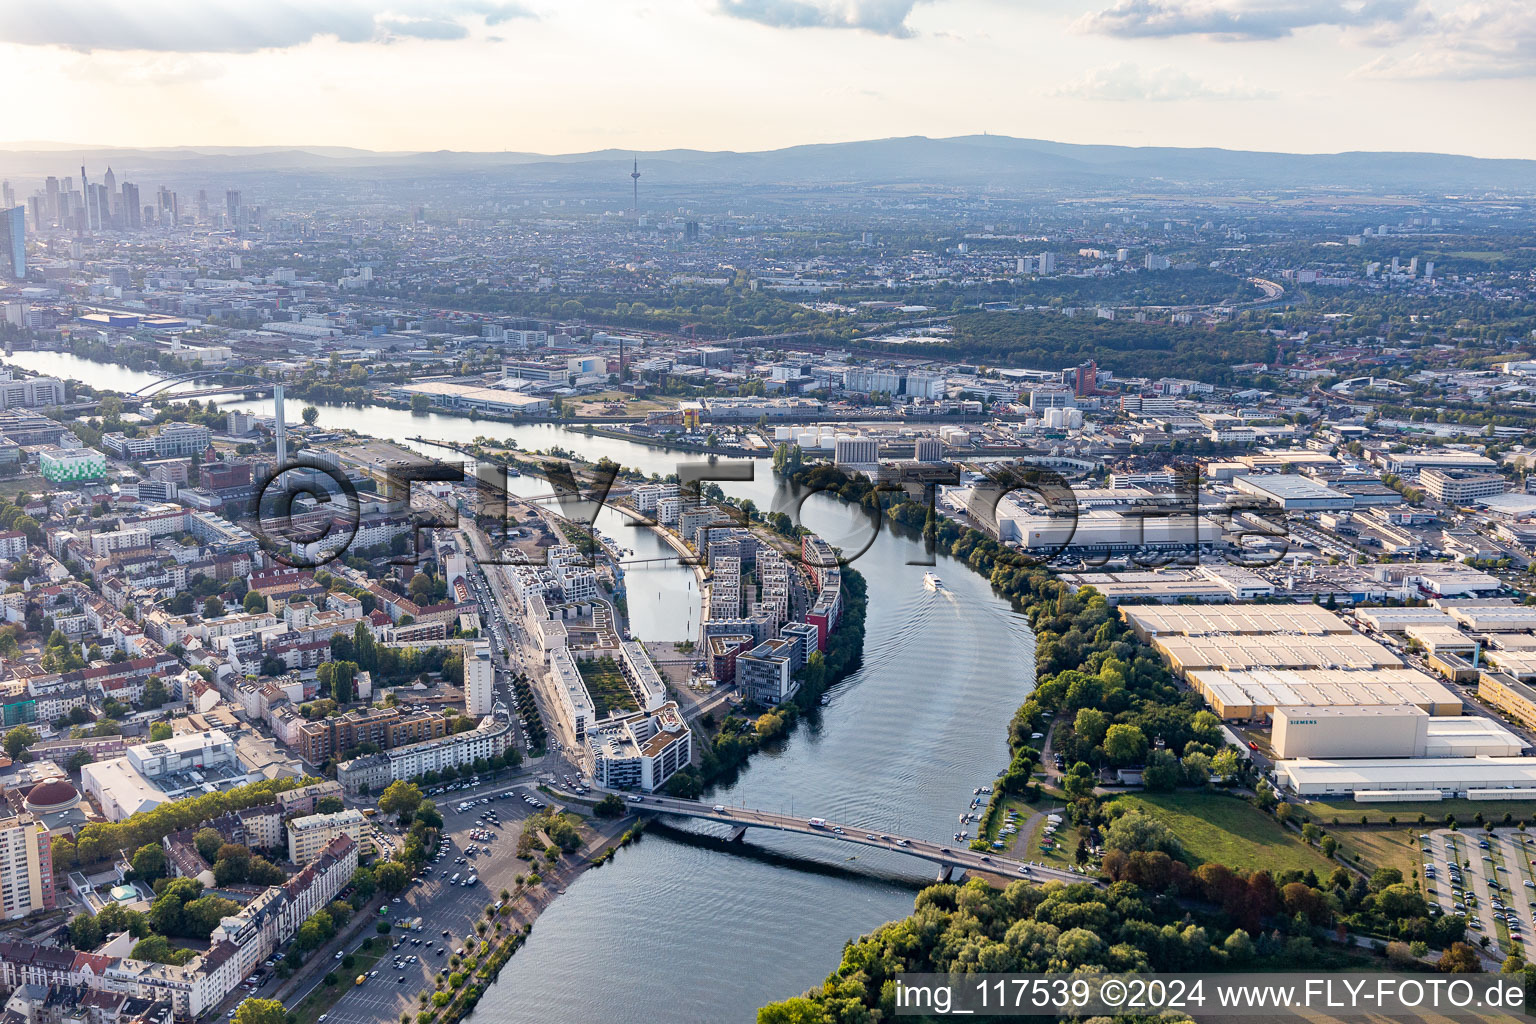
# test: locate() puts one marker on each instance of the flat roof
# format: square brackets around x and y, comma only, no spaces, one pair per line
[1394,620]
[1287,486]
[1351,711]
[1236,619]
[1276,688]
[1367,772]
[1274,651]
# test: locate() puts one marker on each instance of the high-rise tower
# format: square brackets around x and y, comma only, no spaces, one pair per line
[634,176]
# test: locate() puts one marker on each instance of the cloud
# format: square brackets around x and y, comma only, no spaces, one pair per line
[1250,20]
[1129,83]
[237,26]
[880,17]
[1490,39]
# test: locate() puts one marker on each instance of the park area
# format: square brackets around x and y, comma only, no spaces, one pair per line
[1228,830]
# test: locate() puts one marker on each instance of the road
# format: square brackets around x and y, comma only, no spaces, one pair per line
[455,908]
[955,855]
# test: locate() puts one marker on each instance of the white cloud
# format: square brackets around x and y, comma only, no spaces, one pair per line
[1128,83]
[880,17]
[1246,20]
[1490,39]
[237,26]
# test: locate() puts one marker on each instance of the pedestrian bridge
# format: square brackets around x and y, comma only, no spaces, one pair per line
[947,856]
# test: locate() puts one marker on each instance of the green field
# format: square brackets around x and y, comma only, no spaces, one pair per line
[1381,848]
[1229,831]
[605,682]
[1349,812]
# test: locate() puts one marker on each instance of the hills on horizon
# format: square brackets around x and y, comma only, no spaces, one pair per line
[965,161]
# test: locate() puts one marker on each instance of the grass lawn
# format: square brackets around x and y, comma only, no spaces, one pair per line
[34,485]
[325,996]
[1348,812]
[1061,856]
[1229,831]
[1382,848]
[605,681]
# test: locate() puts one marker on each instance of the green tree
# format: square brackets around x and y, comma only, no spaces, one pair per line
[1162,773]
[309,415]
[18,740]
[391,877]
[208,841]
[149,861]
[1090,726]
[1136,831]
[84,932]
[213,608]
[254,602]
[160,731]
[261,1011]
[400,798]
[1125,745]
[1079,781]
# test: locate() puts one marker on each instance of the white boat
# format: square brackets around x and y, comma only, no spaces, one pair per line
[932,582]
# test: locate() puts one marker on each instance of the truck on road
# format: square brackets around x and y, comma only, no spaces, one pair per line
[817,823]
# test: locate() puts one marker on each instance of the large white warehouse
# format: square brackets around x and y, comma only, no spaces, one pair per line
[1412,778]
[1383,731]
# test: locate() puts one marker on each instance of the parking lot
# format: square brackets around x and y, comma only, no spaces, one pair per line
[441,906]
[1488,876]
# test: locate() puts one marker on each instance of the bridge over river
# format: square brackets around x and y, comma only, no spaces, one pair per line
[948,857]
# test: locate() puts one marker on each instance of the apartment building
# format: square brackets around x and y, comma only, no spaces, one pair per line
[383,727]
[642,750]
[309,835]
[26,866]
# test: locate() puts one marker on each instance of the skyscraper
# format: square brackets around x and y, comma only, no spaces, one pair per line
[52,186]
[110,210]
[13,242]
[7,195]
[232,207]
[132,213]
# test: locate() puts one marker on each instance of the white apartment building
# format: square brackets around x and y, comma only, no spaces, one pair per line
[309,835]
[641,751]
[479,681]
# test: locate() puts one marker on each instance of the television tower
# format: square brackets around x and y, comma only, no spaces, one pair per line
[635,177]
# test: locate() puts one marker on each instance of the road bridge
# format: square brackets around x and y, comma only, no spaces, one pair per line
[947,856]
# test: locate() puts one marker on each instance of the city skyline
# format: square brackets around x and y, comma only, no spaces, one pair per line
[486,76]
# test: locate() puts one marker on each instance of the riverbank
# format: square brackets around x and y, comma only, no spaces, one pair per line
[736,739]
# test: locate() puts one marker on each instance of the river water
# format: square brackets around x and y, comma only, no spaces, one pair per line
[680,929]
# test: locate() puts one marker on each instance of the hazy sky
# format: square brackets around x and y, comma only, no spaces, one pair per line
[574,75]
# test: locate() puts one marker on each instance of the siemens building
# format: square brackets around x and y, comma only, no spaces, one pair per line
[13,242]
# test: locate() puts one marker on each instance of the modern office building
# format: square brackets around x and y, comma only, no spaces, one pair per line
[71,465]
[31,392]
[1461,487]
[311,834]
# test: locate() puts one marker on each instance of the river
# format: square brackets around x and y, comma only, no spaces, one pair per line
[688,932]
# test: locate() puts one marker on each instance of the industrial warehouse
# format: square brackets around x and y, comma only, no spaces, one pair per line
[1347,715]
